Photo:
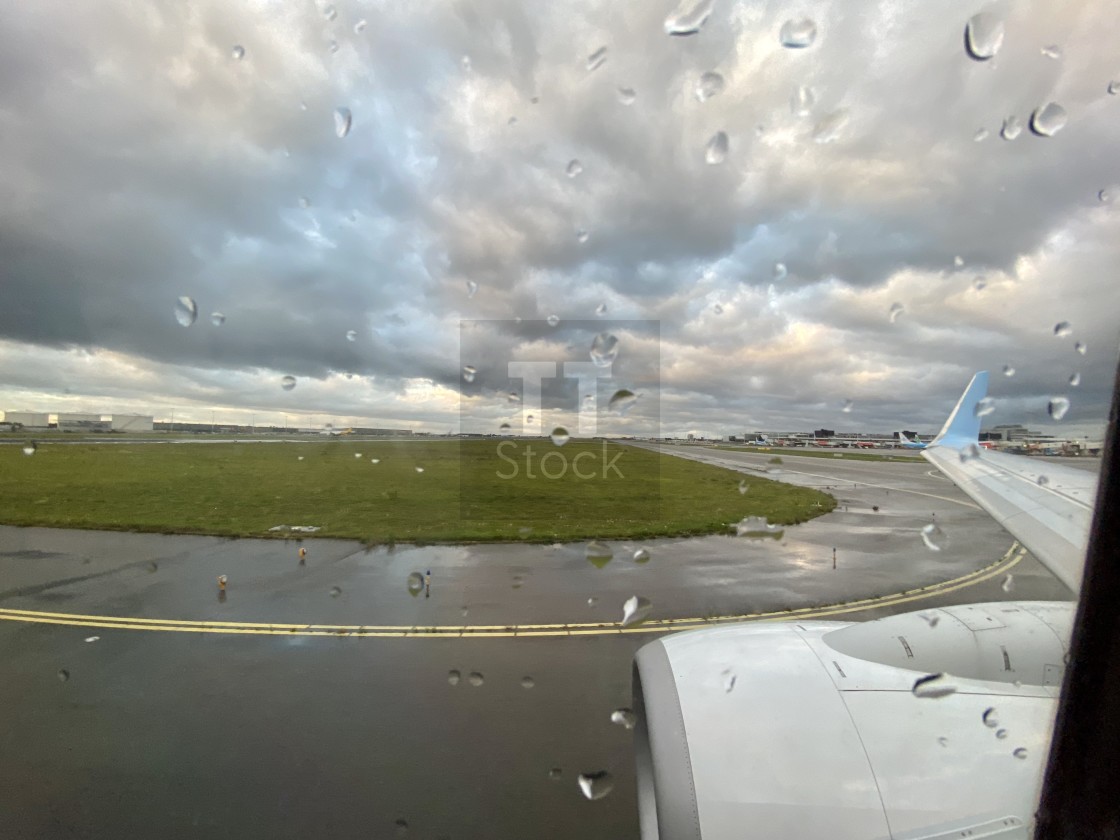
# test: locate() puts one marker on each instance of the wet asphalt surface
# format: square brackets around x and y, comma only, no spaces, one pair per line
[184,734]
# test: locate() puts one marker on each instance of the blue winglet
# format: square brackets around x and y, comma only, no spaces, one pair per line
[963,426]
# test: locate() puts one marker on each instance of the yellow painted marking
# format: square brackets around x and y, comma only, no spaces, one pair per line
[1009,560]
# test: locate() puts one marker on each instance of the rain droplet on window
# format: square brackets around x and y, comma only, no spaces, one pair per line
[635,610]
[288,382]
[896,310]
[1049,119]
[1114,87]
[1052,51]
[574,168]
[1008,583]
[829,129]
[92,639]
[329,12]
[469,373]
[30,447]
[472,287]
[798,34]
[1062,329]
[984,407]
[622,401]
[238,52]
[186,311]
[1020,752]
[932,619]
[604,350]
[63,675]
[846,406]
[596,59]
[934,538]
[802,101]
[627,95]
[598,554]
[756,527]
[958,261]
[1106,196]
[601,310]
[1042,481]
[453,677]
[641,555]
[624,718]
[1057,407]
[336,591]
[1012,128]
[553,320]
[342,120]
[969,453]
[555,774]
[981,135]
[504,429]
[983,36]
[688,17]
[708,85]
[716,151]
[1081,348]
[333,46]
[1001,733]
[1074,379]
[475,678]
[304,202]
[559,436]
[527,682]
[1008,370]
[943,741]
[360,27]
[419,469]
[415,583]
[513,396]
[582,235]
[933,686]
[743,487]
[217,319]
[780,271]
[728,680]
[351,335]
[596,785]
[980,283]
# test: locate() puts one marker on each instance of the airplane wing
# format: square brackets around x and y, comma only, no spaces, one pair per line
[1046,506]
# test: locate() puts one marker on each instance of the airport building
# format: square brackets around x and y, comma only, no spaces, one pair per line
[27,419]
[83,423]
[132,423]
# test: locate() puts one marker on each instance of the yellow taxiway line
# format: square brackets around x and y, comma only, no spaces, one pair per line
[490,631]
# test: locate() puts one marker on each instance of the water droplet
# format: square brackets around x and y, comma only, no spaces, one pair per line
[288,382]
[329,13]
[981,135]
[472,287]
[596,785]
[351,335]
[1012,128]
[217,319]
[475,678]
[513,396]
[688,17]
[415,584]
[402,828]
[63,675]
[980,283]
[453,677]
[333,46]
[932,619]
[238,52]
[469,373]
[802,101]
[780,271]
[1049,119]
[1081,348]
[1106,196]
[375,460]
[582,235]
[627,95]
[1062,329]
[831,127]
[943,741]
[553,320]
[1008,583]
[360,27]
[934,538]
[1001,733]
[641,555]
[91,639]
[983,36]
[1052,51]
[299,457]
[1008,370]
[743,487]
[504,429]
[756,527]
[933,686]
[555,773]
[1058,407]
[574,168]
[592,601]
[342,120]
[896,310]
[304,202]
[30,447]
[153,566]
[560,436]
[186,311]
[1114,87]
[798,34]
[527,682]
[708,85]
[336,591]
[1074,379]
[846,406]
[622,401]
[958,261]
[728,680]
[969,453]
[1042,481]
[601,310]
[624,718]
[596,59]
[1020,752]
[598,554]
[989,716]
[984,407]
[604,350]
[419,469]
[716,150]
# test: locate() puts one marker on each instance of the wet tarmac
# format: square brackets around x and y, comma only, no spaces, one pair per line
[164,729]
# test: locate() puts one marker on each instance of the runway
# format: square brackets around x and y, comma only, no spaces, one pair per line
[315,700]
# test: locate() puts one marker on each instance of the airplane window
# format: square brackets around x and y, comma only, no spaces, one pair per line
[486,419]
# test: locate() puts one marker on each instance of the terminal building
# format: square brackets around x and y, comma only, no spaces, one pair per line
[26,419]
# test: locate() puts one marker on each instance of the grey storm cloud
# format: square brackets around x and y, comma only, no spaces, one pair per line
[143,161]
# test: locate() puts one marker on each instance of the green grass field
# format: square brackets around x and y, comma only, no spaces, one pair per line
[847,454]
[464,493]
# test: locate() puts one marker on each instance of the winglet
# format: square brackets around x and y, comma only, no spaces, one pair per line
[963,426]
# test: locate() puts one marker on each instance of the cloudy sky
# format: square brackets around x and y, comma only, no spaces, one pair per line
[152,151]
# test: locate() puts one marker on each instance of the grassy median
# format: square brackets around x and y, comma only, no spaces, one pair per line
[415,491]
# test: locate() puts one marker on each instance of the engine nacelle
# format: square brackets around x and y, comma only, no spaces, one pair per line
[813,730]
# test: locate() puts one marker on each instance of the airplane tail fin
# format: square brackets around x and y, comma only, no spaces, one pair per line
[963,425]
